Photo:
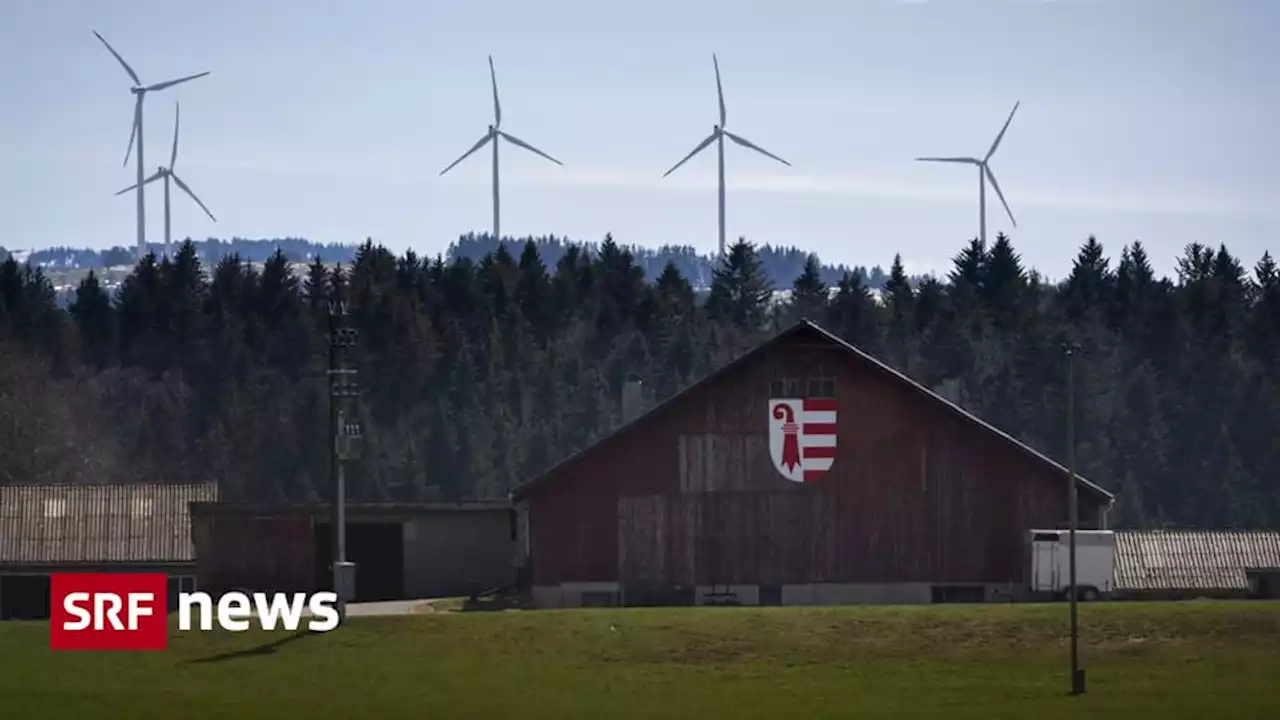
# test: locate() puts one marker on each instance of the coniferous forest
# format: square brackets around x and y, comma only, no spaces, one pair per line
[476,373]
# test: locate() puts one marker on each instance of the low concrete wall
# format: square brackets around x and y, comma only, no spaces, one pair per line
[857,594]
[568,595]
[446,554]
[745,594]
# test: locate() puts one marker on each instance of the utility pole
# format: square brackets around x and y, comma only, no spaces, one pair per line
[345,426]
[1077,673]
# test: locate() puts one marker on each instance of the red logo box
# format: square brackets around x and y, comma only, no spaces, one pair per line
[108,611]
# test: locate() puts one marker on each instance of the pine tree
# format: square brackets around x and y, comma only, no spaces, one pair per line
[809,295]
[899,302]
[1004,285]
[740,291]
[92,314]
[854,315]
[1090,287]
[136,302]
[1264,318]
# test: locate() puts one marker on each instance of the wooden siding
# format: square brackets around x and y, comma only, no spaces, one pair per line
[710,463]
[916,493]
[259,553]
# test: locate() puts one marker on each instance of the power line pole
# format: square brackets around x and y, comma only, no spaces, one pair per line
[345,427]
[1077,673]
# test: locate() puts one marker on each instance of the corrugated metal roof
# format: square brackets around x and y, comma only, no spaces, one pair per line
[1161,560]
[98,523]
[241,509]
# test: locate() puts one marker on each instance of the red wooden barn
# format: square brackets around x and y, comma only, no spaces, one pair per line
[805,472]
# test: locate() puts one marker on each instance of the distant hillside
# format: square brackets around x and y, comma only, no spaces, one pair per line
[211,250]
[66,265]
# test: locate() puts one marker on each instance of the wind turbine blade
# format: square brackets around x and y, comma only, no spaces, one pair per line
[1000,137]
[154,176]
[991,176]
[487,137]
[497,108]
[966,160]
[171,83]
[127,69]
[517,141]
[187,190]
[748,144]
[719,89]
[701,146]
[133,131]
[173,156]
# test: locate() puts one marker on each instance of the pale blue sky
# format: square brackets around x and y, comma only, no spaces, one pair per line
[331,120]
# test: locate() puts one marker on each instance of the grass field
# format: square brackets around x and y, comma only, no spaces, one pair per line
[1145,660]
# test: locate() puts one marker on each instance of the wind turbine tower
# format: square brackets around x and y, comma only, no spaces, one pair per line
[718,134]
[492,135]
[167,174]
[140,92]
[984,175]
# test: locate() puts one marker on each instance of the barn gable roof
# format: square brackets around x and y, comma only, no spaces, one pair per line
[802,326]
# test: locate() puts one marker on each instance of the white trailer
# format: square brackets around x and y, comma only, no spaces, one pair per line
[1050,575]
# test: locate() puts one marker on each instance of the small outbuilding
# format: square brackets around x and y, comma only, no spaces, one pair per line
[92,528]
[1160,564]
[805,472]
[401,550]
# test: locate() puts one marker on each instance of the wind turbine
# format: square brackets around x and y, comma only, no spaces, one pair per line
[492,135]
[168,174]
[140,92]
[718,134]
[984,174]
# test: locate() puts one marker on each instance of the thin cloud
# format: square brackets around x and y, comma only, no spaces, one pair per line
[878,186]
[867,184]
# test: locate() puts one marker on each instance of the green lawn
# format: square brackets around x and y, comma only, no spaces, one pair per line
[1161,660]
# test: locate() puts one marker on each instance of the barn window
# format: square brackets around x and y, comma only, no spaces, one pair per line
[822,387]
[958,593]
[55,507]
[784,388]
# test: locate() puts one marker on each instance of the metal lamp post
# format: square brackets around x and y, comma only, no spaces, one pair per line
[343,391]
[1077,673]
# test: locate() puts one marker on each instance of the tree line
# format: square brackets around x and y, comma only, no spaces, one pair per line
[781,264]
[476,374]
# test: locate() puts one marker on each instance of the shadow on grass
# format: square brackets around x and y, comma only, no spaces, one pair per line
[494,603]
[257,651]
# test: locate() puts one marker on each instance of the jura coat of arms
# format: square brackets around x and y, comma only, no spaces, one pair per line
[802,437]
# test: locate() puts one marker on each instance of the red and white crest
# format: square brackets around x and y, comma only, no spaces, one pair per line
[802,437]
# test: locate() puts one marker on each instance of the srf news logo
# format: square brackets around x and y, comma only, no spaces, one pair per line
[127,611]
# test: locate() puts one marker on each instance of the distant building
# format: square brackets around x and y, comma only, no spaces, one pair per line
[805,472]
[401,550]
[92,528]
[1189,564]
